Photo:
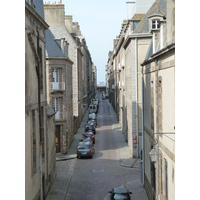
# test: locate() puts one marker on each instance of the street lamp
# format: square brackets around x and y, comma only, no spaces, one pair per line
[153,155]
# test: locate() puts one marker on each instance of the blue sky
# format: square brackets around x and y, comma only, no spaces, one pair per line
[100,22]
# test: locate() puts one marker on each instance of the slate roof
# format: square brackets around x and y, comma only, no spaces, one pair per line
[39,8]
[158,7]
[150,50]
[50,111]
[138,16]
[52,47]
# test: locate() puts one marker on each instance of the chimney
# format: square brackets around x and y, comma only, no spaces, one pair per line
[68,22]
[76,28]
[131,9]
[54,14]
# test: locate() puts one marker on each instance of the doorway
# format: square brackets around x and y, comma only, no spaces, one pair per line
[57,138]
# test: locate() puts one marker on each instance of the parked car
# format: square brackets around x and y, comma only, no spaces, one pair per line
[91,115]
[90,127]
[120,193]
[93,108]
[85,149]
[90,122]
[86,139]
[89,135]
[95,119]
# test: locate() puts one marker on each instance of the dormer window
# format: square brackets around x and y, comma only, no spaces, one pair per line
[155,24]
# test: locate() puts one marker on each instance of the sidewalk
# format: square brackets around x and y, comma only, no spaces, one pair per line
[126,160]
[61,183]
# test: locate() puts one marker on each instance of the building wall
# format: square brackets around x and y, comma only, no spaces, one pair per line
[161,76]
[33,23]
[69,103]
[130,92]
[51,149]
[59,64]
[57,26]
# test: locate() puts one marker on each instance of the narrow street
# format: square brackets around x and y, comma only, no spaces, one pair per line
[93,178]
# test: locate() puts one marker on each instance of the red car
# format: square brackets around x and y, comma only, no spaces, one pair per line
[89,135]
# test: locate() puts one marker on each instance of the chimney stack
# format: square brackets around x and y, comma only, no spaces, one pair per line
[68,22]
[131,9]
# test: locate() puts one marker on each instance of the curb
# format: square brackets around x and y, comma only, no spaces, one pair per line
[128,166]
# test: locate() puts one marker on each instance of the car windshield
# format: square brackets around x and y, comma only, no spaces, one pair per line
[121,196]
[88,128]
[88,135]
[83,147]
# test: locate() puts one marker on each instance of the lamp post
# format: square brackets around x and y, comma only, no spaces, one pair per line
[153,155]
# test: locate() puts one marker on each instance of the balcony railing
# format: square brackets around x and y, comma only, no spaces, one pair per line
[58,85]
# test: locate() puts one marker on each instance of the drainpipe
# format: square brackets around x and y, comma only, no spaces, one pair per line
[142,85]
[40,124]
[136,72]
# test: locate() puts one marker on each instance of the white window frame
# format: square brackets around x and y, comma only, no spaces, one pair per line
[156,23]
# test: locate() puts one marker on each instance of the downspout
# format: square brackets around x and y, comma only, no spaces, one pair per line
[136,68]
[40,124]
[142,85]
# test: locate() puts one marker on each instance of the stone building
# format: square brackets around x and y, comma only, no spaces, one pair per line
[86,59]
[55,17]
[39,117]
[59,89]
[158,71]
[129,50]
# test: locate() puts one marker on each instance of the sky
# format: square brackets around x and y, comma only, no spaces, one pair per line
[100,22]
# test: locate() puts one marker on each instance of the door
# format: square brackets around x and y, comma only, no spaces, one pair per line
[57,139]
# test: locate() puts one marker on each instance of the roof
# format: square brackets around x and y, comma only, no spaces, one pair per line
[52,47]
[150,50]
[50,111]
[158,7]
[138,17]
[39,8]
[120,190]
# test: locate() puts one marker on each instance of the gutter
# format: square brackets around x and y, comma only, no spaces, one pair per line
[59,58]
[136,35]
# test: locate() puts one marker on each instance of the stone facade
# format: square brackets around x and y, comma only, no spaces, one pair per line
[138,92]
[159,107]
[39,125]
[55,17]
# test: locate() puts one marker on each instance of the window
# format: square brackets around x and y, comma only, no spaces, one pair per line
[159,106]
[33,143]
[161,174]
[42,130]
[56,104]
[152,104]
[155,24]
[166,180]
[55,75]
[41,69]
